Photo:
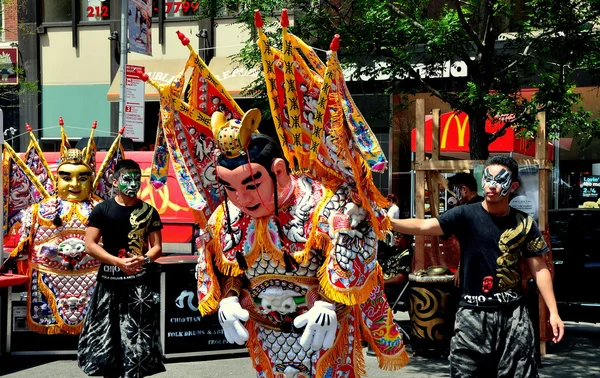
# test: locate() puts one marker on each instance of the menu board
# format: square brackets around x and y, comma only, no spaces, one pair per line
[589,197]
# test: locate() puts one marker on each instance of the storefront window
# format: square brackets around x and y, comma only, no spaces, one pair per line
[56,10]
[95,10]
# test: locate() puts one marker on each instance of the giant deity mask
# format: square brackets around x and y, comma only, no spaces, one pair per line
[74,178]
[250,165]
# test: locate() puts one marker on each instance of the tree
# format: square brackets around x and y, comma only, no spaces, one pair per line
[506,46]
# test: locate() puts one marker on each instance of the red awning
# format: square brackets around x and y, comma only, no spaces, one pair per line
[455,135]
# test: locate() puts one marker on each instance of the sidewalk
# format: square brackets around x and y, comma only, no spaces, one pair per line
[577,356]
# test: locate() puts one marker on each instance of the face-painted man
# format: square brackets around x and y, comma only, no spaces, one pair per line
[497,182]
[129,182]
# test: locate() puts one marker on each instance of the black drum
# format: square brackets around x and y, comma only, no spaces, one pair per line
[432,310]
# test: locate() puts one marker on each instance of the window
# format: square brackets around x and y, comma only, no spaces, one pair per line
[95,10]
[56,10]
[61,10]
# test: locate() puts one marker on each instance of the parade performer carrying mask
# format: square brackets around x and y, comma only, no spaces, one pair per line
[288,253]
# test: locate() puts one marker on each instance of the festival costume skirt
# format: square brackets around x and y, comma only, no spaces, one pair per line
[120,336]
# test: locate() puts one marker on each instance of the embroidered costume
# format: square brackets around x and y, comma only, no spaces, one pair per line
[52,212]
[289,247]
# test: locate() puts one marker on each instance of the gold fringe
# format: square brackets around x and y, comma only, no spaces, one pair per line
[351,296]
[395,362]
[338,349]
[211,300]
[257,353]
[359,357]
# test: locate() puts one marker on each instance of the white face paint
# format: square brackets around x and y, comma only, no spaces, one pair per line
[502,179]
[458,193]
[129,182]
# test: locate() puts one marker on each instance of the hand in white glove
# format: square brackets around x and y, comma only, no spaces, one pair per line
[321,324]
[230,314]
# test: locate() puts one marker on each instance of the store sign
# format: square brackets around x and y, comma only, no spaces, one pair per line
[589,197]
[8,66]
[186,331]
[448,69]
[134,104]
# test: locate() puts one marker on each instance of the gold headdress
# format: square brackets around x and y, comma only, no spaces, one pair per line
[233,136]
[70,155]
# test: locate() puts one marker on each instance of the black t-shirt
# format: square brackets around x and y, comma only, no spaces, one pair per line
[124,231]
[490,250]
[476,199]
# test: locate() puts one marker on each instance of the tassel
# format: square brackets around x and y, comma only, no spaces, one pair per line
[241,261]
[57,221]
[290,263]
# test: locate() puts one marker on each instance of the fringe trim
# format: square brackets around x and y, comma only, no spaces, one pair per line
[257,354]
[385,361]
[317,241]
[332,354]
[351,296]
[394,362]
[61,327]
[369,195]
[210,302]
[359,357]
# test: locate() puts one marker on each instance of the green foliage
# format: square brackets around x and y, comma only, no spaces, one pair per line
[506,45]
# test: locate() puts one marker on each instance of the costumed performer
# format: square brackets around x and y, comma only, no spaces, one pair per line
[291,242]
[51,248]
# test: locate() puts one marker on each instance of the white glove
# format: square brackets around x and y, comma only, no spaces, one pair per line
[230,314]
[321,324]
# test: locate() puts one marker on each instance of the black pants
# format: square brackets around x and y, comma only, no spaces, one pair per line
[120,336]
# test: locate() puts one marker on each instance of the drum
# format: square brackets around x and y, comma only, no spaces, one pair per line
[432,310]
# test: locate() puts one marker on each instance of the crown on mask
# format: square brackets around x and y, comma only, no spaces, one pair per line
[70,155]
[233,136]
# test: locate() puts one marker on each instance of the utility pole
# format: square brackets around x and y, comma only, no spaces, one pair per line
[124,19]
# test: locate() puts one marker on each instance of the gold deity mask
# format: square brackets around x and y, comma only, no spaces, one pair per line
[74,177]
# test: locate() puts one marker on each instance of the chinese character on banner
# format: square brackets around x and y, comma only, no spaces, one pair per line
[140,26]
[8,66]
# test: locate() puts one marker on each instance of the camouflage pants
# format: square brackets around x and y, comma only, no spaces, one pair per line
[497,343]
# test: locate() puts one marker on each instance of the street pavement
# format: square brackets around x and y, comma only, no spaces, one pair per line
[578,355]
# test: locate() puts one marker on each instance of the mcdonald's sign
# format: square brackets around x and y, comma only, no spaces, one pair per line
[455,136]
[460,123]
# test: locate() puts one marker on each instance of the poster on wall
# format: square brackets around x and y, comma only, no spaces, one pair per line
[8,66]
[526,197]
[140,26]
[589,196]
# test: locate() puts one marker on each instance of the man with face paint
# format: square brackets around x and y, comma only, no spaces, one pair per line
[493,334]
[464,187]
[120,336]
